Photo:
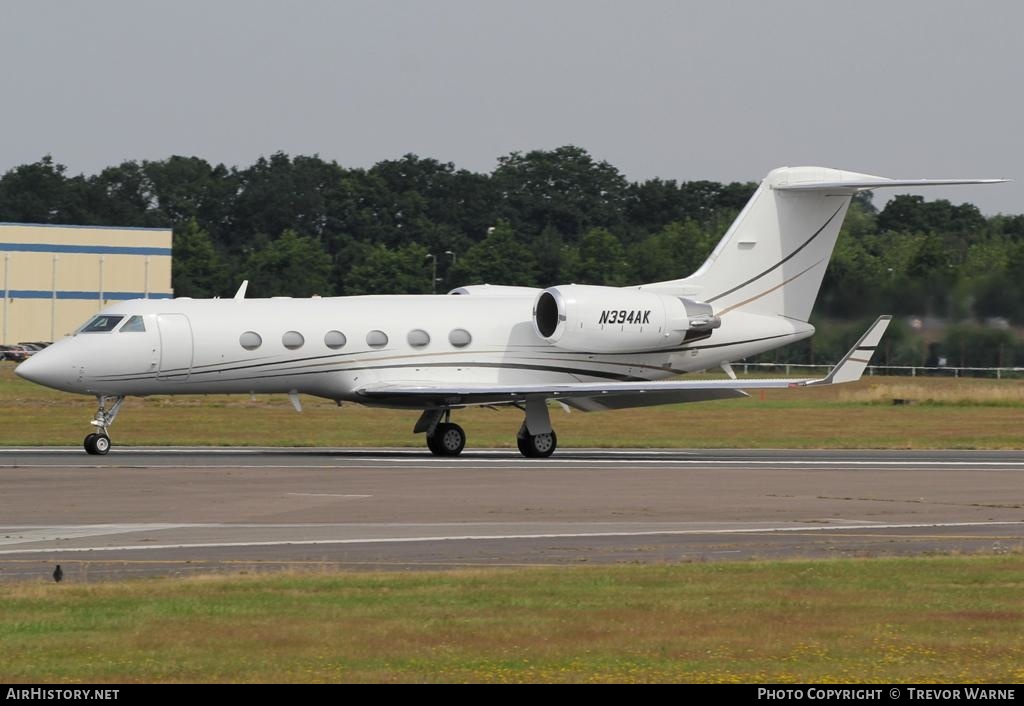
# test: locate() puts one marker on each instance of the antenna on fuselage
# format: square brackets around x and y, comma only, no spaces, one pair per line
[240,294]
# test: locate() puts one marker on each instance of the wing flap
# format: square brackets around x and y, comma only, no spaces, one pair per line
[648,399]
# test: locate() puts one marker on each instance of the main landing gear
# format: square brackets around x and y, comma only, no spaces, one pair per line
[98,443]
[536,445]
[444,438]
[535,439]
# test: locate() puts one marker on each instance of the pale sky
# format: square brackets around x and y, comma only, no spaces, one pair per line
[660,88]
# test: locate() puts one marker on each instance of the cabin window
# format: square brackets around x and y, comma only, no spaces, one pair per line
[459,337]
[335,340]
[376,339]
[250,340]
[418,338]
[292,340]
[134,324]
[102,324]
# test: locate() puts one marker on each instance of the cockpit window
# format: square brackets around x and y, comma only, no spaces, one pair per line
[134,324]
[101,324]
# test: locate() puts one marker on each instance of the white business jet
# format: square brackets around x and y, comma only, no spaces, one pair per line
[588,347]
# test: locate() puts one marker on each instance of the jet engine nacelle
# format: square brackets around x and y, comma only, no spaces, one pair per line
[589,319]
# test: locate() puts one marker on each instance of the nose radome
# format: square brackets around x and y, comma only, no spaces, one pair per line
[28,369]
[47,367]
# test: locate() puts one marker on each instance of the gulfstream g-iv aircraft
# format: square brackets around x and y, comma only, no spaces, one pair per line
[588,347]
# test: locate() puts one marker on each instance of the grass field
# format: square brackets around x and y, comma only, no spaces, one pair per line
[951,619]
[942,413]
[941,619]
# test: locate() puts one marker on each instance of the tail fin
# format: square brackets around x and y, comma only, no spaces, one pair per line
[773,258]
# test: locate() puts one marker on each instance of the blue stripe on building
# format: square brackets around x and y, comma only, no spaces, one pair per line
[81,227]
[68,294]
[87,249]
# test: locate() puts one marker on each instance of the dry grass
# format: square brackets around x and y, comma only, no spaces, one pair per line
[944,413]
[954,619]
[935,391]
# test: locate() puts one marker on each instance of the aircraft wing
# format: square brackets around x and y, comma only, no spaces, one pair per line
[592,396]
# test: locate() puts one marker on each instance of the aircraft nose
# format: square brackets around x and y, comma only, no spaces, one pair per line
[47,367]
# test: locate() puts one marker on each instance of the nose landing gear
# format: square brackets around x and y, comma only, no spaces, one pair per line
[98,443]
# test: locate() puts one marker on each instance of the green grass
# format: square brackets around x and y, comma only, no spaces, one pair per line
[944,413]
[950,619]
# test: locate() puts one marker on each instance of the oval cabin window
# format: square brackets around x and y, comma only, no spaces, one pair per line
[376,339]
[335,340]
[250,340]
[292,340]
[418,338]
[459,338]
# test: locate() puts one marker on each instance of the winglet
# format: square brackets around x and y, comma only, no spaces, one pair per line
[853,364]
[240,294]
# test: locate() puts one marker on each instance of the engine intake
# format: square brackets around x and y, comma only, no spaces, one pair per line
[591,319]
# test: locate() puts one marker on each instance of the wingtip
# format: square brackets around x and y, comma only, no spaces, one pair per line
[857,359]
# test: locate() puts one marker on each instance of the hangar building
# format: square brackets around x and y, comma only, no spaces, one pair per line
[56,277]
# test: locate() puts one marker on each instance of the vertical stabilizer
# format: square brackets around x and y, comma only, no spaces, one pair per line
[773,258]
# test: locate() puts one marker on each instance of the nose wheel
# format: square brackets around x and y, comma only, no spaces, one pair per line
[98,443]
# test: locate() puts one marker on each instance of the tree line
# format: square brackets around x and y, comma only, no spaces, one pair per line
[302,225]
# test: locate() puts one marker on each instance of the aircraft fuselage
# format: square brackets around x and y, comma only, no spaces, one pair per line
[331,347]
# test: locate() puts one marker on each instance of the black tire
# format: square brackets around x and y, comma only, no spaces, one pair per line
[523,442]
[87,444]
[101,444]
[447,440]
[538,445]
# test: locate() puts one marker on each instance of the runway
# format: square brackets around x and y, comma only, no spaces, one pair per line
[176,511]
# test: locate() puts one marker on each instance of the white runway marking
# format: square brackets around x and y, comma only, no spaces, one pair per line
[508,464]
[476,537]
[51,533]
[498,459]
[408,452]
[328,495]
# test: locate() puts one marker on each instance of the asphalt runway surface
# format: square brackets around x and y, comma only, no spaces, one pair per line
[181,511]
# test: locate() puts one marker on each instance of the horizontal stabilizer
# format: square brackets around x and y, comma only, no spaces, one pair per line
[861,184]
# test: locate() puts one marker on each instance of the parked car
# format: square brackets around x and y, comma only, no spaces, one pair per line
[16,353]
